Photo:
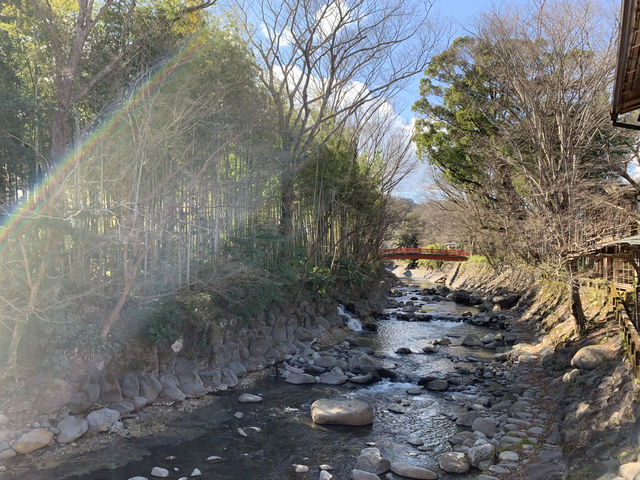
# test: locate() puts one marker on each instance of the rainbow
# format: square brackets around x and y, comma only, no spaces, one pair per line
[14,225]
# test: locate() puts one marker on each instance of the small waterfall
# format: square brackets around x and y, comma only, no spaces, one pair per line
[352,322]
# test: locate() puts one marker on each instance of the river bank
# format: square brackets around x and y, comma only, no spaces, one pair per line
[498,400]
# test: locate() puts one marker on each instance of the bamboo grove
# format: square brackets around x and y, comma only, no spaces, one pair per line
[176,181]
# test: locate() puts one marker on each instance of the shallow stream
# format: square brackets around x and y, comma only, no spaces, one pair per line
[285,434]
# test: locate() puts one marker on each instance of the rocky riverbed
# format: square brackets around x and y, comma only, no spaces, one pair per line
[455,384]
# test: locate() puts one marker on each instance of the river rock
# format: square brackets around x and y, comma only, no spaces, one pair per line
[371,461]
[110,389]
[361,379]
[123,408]
[508,456]
[101,420]
[484,425]
[33,440]
[195,389]
[170,390]
[363,364]
[467,419]
[362,475]
[229,378]
[71,428]
[403,350]
[442,341]
[87,394]
[7,454]
[249,398]
[326,361]
[159,472]
[299,378]
[481,456]
[54,396]
[238,368]
[303,335]
[411,471]
[589,357]
[324,475]
[332,378]
[327,411]
[438,385]
[628,471]
[454,462]
[471,340]
[130,385]
[150,387]
[429,349]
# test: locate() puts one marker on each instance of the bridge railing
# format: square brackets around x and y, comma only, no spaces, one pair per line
[426,251]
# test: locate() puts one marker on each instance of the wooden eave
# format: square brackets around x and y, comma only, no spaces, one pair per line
[626,90]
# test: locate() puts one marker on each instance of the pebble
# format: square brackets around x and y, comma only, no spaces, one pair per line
[324,466]
[241,432]
[324,475]
[138,477]
[214,459]
[238,415]
[196,473]
[249,398]
[414,391]
[300,468]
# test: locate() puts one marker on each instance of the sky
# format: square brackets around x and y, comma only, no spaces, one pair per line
[460,14]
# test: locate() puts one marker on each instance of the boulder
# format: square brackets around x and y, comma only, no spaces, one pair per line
[589,357]
[332,378]
[629,471]
[87,394]
[238,368]
[249,398]
[371,461]
[484,425]
[101,420]
[471,340]
[327,411]
[429,349]
[186,370]
[229,378]
[411,471]
[506,301]
[110,391]
[481,456]
[362,475]
[438,385]
[299,378]
[303,334]
[170,390]
[54,396]
[33,440]
[130,385]
[454,462]
[123,407]
[194,389]
[403,350]
[71,428]
[363,364]
[150,387]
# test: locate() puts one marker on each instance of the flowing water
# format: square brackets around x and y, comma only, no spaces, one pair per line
[280,431]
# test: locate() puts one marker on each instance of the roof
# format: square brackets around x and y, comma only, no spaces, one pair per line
[626,91]
[633,241]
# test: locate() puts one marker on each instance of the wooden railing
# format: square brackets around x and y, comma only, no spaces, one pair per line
[628,330]
[427,253]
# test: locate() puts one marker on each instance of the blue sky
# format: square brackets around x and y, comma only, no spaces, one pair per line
[460,14]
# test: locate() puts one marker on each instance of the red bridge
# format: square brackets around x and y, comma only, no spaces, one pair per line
[426,253]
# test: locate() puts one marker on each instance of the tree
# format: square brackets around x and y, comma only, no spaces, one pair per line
[521,134]
[88,42]
[327,63]
[522,126]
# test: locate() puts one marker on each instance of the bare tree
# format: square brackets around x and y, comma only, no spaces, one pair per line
[323,62]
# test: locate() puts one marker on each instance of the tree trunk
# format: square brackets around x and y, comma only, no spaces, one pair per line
[60,133]
[574,296]
[287,202]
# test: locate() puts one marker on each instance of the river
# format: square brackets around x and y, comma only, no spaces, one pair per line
[279,430]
